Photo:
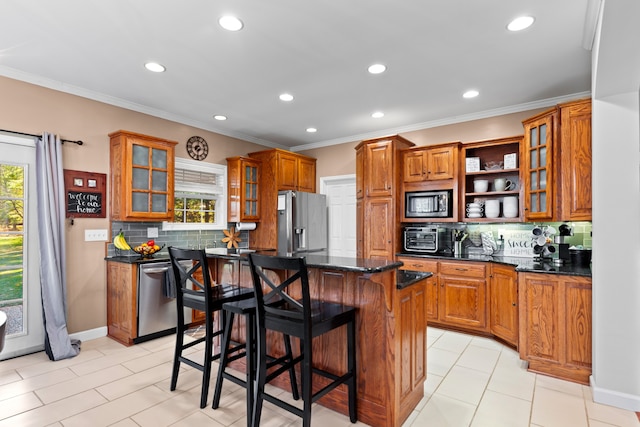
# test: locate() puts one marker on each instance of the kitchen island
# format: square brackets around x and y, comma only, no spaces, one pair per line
[391,330]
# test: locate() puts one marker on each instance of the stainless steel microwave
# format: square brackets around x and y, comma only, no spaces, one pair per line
[428,204]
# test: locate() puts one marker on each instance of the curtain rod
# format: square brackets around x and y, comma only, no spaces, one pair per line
[39,136]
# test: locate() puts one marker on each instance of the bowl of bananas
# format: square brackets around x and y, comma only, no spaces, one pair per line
[147,249]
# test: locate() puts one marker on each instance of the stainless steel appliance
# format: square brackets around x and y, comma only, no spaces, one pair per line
[428,240]
[302,222]
[428,204]
[157,314]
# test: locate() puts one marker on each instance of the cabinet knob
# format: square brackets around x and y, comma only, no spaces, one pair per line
[513,304]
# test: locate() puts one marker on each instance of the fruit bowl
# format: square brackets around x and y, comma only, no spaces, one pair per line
[146,250]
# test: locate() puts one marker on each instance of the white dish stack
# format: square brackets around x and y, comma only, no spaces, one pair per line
[475,210]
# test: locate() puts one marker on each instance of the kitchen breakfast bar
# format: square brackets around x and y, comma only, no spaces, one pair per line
[390,330]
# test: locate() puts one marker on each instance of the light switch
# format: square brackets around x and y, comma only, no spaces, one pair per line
[96,235]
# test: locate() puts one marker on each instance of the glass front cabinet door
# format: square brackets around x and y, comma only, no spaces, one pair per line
[537,153]
[142,173]
[243,189]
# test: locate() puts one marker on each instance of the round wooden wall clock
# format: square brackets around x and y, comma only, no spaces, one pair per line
[197,148]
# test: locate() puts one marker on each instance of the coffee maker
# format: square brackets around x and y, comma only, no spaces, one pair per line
[563,248]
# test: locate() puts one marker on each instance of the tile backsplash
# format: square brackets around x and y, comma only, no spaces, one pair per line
[136,233]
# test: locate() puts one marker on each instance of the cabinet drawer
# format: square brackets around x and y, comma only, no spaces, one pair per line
[464,269]
[419,264]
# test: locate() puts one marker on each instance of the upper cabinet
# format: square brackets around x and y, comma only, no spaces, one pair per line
[485,176]
[243,189]
[556,156]
[142,174]
[288,170]
[429,163]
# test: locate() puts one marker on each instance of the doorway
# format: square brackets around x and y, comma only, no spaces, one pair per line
[341,206]
[19,251]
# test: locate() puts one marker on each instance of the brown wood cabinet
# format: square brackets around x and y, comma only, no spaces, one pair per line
[279,170]
[555,318]
[122,302]
[243,195]
[463,294]
[378,186]
[456,293]
[503,305]
[490,151]
[142,176]
[429,163]
[556,154]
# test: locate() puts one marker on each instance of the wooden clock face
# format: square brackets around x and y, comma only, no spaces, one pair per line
[197,148]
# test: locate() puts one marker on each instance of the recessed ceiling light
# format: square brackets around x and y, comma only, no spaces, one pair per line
[230,23]
[377,68]
[377,114]
[286,97]
[155,67]
[220,117]
[470,94]
[520,23]
[312,130]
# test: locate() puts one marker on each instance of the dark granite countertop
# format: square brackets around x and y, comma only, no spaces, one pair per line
[521,264]
[137,259]
[405,278]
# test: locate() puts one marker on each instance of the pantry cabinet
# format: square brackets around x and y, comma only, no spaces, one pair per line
[503,302]
[555,317]
[378,188]
[243,195]
[279,170]
[556,154]
[142,177]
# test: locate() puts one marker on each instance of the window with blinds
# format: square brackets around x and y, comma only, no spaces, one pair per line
[200,191]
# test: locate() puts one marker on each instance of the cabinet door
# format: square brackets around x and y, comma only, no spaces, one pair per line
[379,169]
[440,163]
[378,228]
[575,162]
[503,307]
[577,300]
[287,171]
[150,173]
[538,167]
[463,302]
[121,301]
[306,175]
[414,166]
[433,299]
[413,324]
[360,228]
[250,206]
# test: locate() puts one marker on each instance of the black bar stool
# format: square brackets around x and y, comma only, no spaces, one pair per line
[247,308]
[194,290]
[277,281]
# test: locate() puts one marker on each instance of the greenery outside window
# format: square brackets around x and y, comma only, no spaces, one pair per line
[200,191]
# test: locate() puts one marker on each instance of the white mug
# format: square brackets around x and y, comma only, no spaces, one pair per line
[510,206]
[503,184]
[480,185]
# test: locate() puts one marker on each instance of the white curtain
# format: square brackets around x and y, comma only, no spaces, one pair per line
[51,217]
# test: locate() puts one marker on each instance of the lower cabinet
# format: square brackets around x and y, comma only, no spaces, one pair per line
[503,302]
[413,346]
[463,295]
[122,301]
[555,314]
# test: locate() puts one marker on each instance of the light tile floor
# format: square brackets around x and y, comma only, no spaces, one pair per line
[472,381]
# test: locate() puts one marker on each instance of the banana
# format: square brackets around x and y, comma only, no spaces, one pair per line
[120,242]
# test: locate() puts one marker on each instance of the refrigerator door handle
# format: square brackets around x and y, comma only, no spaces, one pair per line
[301,233]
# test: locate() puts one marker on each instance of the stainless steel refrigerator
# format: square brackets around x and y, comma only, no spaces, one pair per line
[302,222]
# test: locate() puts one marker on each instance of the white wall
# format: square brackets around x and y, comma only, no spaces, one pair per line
[616,212]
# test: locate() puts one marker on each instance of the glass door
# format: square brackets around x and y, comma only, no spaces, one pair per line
[19,257]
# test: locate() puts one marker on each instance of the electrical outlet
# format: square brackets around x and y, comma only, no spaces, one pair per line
[152,232]
[96,235]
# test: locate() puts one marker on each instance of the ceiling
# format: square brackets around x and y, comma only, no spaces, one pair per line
[317,51]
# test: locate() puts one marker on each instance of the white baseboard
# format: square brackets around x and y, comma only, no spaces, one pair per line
[89,335]
[614,398]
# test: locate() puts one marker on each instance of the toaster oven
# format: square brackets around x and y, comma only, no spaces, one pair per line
[428,240]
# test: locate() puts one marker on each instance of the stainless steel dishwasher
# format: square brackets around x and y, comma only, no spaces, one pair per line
[157,314]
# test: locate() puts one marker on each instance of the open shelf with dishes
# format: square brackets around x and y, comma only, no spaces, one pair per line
[491,185]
